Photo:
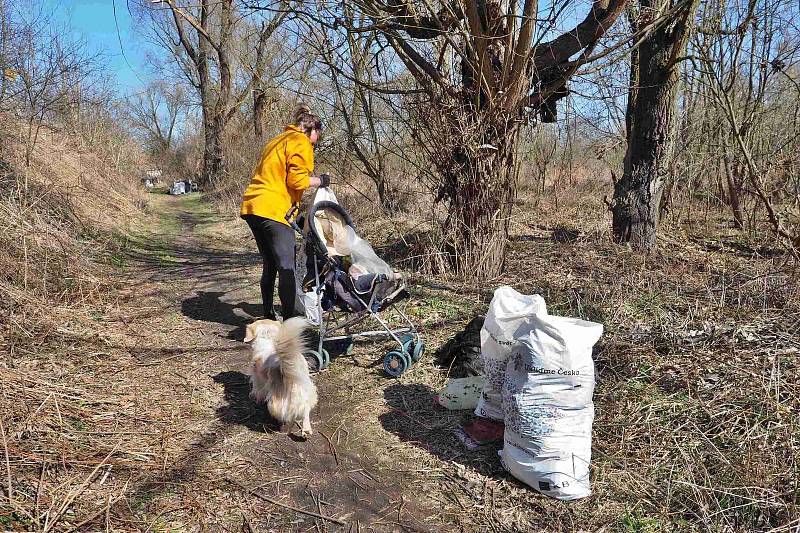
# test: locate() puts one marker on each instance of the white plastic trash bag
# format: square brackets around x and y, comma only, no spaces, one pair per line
[178,187]
[546,393]
[311,304]
[509,311]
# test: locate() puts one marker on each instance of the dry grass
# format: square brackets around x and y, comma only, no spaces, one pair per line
[56,250]
[697,395]
[698,383]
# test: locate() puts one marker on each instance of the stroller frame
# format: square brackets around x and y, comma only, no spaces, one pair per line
[395,362]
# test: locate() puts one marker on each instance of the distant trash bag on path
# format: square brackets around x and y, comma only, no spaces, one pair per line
[545,392]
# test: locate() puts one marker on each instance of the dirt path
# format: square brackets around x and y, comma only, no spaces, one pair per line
[195,292]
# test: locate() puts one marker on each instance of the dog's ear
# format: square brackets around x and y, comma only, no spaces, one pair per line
[250,333]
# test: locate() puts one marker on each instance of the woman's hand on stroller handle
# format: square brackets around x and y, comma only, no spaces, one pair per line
[323,180]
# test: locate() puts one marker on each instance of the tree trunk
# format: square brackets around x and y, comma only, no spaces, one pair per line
[214,164]
[650,133]
[259,108]
[482,187]
[733,175]
[385,196]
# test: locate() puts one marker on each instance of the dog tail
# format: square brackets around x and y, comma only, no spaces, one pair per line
[290,346]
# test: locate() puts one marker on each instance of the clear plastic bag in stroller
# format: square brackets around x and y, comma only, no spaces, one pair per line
[344,241]
[346,283]
[363,258]
[341,240]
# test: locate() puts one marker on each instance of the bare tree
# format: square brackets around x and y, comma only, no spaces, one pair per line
[747,60]
[481,68]
[204,36]
[42,66]
[371,138]
[7,37]
[650,117]
[156,111]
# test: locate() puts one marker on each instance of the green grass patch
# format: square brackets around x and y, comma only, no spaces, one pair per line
[635,522]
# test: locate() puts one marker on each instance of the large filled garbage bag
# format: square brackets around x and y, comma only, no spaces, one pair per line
[546,392]
[509,314]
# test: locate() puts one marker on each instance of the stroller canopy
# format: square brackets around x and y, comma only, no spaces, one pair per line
[332,229]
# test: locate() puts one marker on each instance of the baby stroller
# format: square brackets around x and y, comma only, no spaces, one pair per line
[346,283]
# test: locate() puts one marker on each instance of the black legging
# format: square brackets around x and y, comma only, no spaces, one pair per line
[275,243]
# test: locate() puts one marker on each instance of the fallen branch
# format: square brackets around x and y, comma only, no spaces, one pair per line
[332,447]
[284,505]
[8,462]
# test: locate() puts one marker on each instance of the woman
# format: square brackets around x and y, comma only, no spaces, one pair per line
[280,178]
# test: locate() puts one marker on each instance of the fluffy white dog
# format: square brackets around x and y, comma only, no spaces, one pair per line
[280,373]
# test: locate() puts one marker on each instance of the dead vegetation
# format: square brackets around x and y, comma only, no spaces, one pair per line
[697,394]
[62,213]
[59,212]
[122,402]
[698,383]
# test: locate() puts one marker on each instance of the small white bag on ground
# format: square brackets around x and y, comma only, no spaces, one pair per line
[461,393]
[546,394]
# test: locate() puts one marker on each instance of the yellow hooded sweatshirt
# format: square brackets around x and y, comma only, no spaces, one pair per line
[281,176]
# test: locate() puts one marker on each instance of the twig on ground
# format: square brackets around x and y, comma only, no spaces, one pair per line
[162,513]
[8,463]
[284,505]
[333,448]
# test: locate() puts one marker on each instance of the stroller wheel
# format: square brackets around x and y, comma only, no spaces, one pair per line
[326,358]
[408,343]
[314,360]
[419,349]
[350,346]
[395,363]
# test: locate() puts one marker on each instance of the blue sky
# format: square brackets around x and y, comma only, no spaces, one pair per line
[93,20]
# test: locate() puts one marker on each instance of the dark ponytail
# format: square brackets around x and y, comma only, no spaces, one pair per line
[305,120]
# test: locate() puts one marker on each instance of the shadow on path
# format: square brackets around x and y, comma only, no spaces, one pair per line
[241,409]
[417,419]
[208,306]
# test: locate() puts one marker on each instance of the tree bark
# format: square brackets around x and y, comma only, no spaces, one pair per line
[479,186]
[214,164]
[260,101]
[649,118]
[478,227]
[734,176]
